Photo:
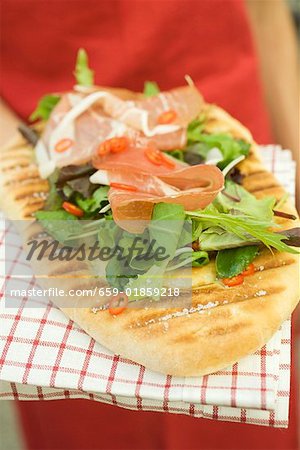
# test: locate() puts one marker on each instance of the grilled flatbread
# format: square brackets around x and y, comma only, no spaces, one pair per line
[224,324]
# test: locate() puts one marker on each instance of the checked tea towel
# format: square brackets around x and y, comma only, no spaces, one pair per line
[44,356]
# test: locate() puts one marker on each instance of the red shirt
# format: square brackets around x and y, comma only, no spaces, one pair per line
[130,41]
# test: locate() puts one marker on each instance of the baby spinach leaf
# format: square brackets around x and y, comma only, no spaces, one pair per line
[234,261]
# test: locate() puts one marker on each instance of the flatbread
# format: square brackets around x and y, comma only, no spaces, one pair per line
[224,325]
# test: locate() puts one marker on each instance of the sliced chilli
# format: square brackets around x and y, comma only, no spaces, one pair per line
[167,161]
[159,158]
[118,304]
[64,145]
[114,145]
[72,209]
[154,155]
[125,187]
[167,117]
[119,144]
[103,149]
[250,270]
[233,281]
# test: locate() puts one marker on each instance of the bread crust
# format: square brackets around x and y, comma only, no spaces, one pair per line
[223,324]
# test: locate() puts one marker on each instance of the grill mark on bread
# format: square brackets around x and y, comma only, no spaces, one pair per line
[276,192]
[17,153]
[217,330]
[255,173]
[246,291]
[30,210]
[29,190]
[262,189]
[15,183]
[213,293]
[21,162]
[236,295]
[26,173]
[276,264]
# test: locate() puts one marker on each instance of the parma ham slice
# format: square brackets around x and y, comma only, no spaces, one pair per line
[82,135]
[130,208]
[79,123]
[137,157]
[137,184]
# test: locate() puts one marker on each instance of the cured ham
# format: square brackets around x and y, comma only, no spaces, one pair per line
[142,115]
[186,102]
[79,123]
[132,209]
[136,157]
[137,184]
[87,131]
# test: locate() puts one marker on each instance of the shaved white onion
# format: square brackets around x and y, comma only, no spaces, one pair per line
[105,209]
[100,177]
[233,163]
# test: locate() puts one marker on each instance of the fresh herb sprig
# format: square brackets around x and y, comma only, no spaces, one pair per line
[83,74]
[44,107]
[151,89]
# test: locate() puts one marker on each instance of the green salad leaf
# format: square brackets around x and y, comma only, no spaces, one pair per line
[242,226]
[237,204]
[195,129]
[44,107]
[216,238]
[152,279]
[231,262]
[164,231]
[97,201]
[59,224]
[200,258]
[54,200]
[151,89]
[166,225]
[186,257]
[229,147]
[200,146]
[83,74]
[247,203]
[177,154]
[118,273]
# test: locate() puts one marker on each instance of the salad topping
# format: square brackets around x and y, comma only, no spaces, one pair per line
[148,160]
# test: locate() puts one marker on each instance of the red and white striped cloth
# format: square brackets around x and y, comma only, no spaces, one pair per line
[44,356]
